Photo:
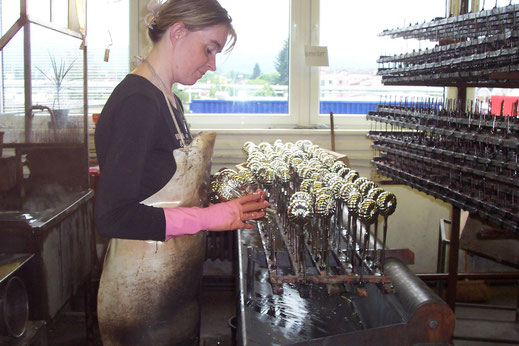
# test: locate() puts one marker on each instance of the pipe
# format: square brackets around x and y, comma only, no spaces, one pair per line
[51,112]
[471,276]
[427,313]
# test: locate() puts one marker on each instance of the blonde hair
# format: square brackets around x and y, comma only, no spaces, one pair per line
[195,14]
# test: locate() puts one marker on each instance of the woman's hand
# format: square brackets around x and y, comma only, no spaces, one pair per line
[217,217]
[233,214]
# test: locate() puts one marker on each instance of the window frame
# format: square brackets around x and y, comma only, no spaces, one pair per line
[303,88]
[298,86]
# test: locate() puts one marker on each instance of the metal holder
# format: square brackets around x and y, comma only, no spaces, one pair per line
[317,229]
[466,158]
[475,49]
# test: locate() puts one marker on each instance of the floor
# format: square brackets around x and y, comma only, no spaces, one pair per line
[218,308]
[493,323]
[475,326]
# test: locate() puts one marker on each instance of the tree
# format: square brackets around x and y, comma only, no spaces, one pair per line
[266,90]
[282,64]
[269,77]
[256,72]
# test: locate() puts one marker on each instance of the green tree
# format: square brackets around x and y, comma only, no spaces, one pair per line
[256,72]
[281,64]
[265,91]
[269,77]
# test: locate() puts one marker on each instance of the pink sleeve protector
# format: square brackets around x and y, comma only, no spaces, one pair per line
[190,220]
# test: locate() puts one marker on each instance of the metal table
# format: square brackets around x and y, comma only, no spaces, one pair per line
[411,314]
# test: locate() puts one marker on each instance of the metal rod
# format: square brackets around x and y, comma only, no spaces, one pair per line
[453,258]
[332,131]
[330,279]
[56,28]
[27,72]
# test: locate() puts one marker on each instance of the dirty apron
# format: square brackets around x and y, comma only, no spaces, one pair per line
[149,290]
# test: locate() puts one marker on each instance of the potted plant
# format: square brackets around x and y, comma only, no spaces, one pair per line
[57,78]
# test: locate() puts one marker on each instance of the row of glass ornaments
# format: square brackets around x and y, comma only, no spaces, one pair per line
[304,182]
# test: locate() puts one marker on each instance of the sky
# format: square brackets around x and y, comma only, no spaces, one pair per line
[348,28]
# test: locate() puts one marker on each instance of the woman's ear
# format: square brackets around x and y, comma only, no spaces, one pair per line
[177,31]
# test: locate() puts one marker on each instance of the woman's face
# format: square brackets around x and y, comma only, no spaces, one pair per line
[195,53]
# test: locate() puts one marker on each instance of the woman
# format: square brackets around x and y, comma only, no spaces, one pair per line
[152,204]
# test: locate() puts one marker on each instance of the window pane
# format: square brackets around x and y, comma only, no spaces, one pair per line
[57,83]
[10,13]
[60,13]
[39,9]
[57,73]
[12,96]
[350,30]
[253,78]
[106,32]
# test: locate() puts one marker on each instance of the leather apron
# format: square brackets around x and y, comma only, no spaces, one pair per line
[149,290]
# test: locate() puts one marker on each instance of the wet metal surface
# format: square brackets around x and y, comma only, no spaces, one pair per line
[42,209]
[287,318]
[319,317]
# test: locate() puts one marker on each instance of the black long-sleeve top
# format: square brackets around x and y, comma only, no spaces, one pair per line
[135,139]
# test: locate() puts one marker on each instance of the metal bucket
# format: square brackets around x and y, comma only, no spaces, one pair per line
[14,308]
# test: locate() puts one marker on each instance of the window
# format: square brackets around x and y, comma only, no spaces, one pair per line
[253,79]
[52,51]
[55,11]
[350,31]
[108,34]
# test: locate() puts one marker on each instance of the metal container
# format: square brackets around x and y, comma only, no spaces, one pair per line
[62,240]
[14,308]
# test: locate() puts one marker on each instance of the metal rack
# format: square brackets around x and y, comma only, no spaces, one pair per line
[312,271]
[319,219]
[452,149]
[483,23]
[469,160]
[475,49]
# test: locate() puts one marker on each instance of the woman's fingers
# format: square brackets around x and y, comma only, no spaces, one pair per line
[259,196]
[254,215]
[254,206]
[261,193]
[249,198]
[252,202]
